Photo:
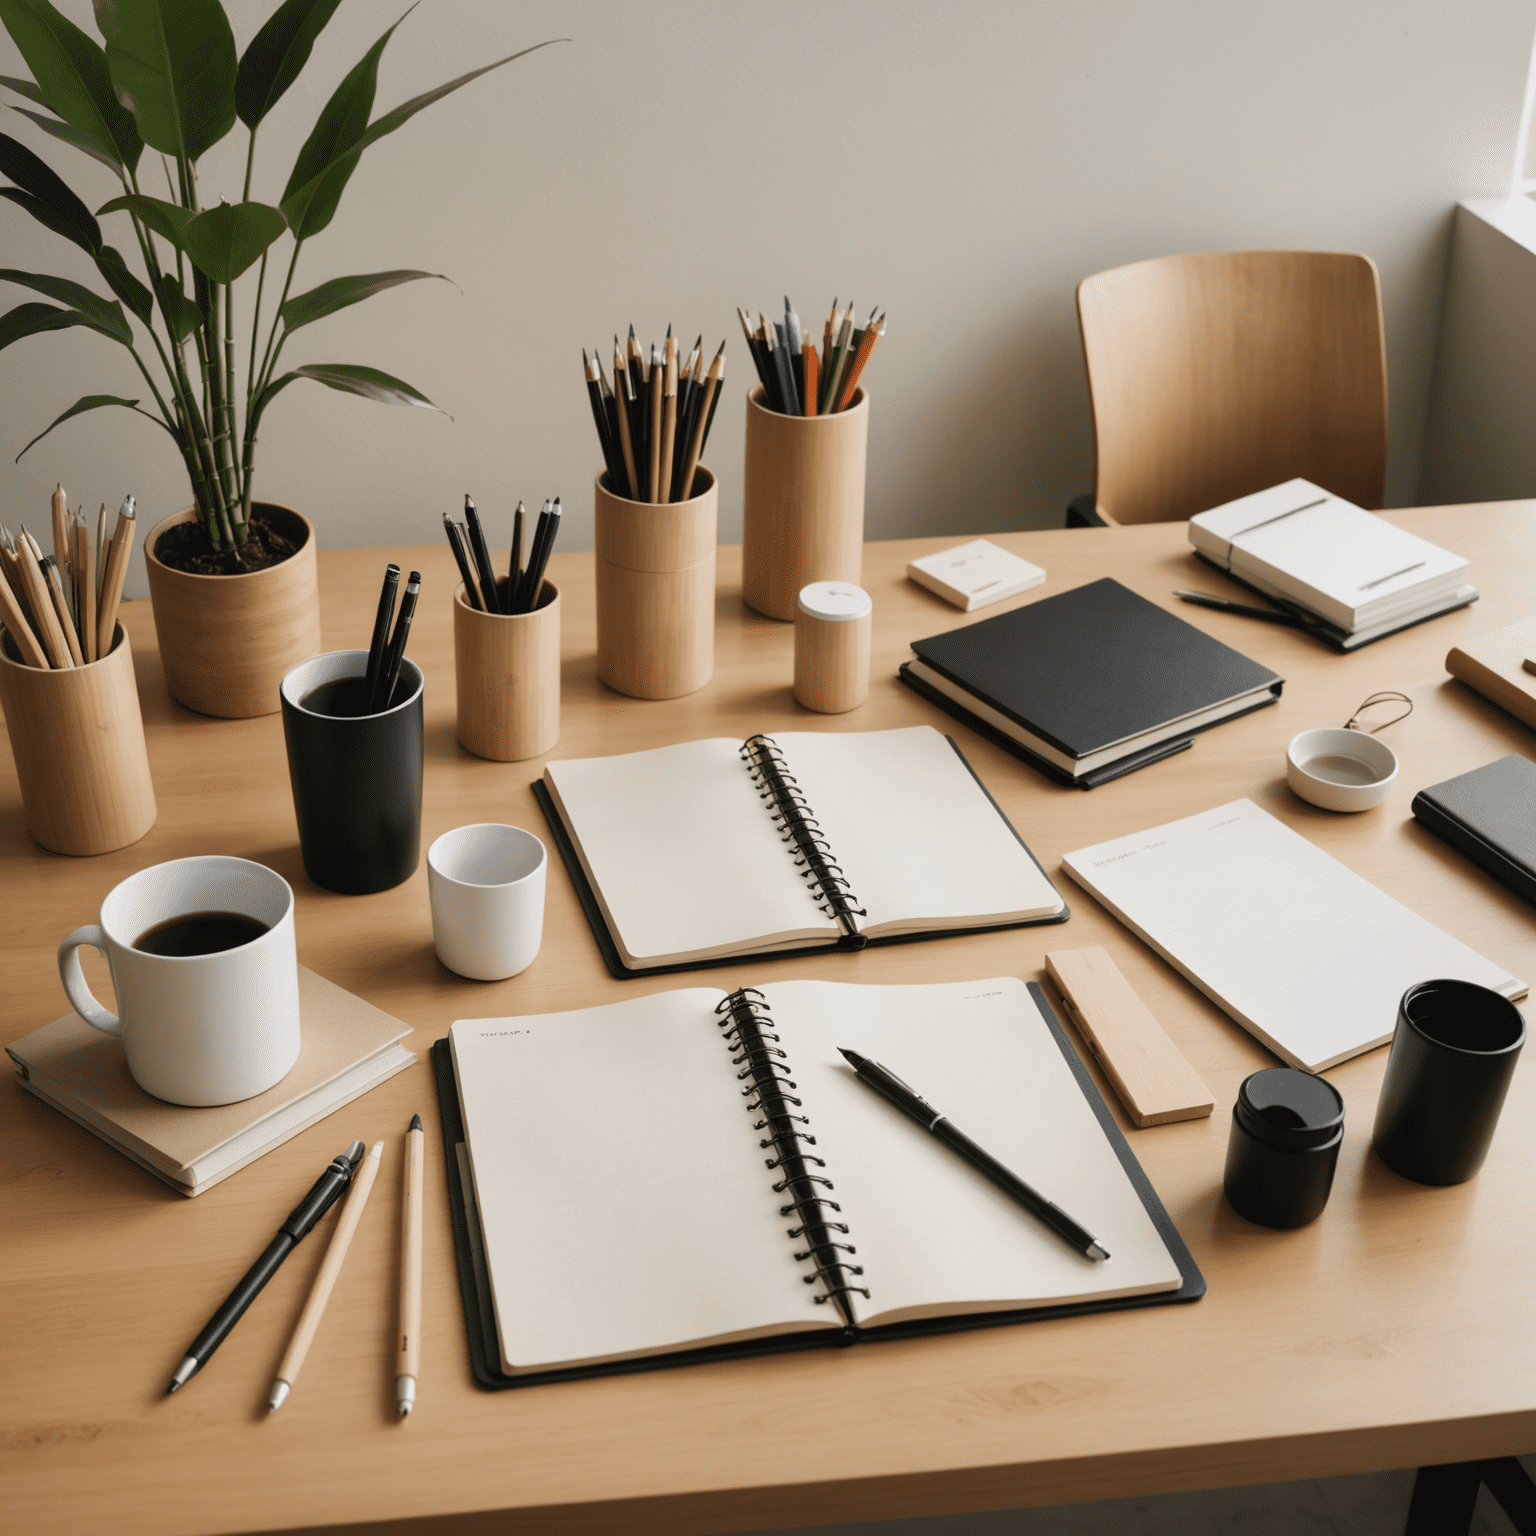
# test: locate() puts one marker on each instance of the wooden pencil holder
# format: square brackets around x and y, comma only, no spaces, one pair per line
[507,670]
[803,502]
[656,591]
[78,740]
[832,628]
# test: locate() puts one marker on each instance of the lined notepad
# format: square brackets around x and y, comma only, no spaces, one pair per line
[1300,950]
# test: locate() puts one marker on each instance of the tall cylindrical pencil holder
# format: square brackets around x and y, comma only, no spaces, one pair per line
[803,507]
[507,669]
[656,591]
[832,625]
[78,740]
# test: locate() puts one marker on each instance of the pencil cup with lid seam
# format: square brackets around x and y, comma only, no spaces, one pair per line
[486,884]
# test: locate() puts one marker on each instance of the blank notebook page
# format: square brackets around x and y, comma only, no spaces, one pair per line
[1300,950]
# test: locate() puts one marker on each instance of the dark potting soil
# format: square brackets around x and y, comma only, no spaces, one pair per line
[187,547]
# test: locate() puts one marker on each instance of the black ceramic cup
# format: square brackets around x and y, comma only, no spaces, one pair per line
[1286,1129]
[1453,1055]
[356,778]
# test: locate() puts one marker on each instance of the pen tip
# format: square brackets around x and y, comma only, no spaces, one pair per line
[851,1057]
[415,1124]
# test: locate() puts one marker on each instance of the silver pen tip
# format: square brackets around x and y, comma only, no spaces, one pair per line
[278,1397]
[1097,1251]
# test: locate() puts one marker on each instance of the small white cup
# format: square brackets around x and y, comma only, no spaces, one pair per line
[1339,769]
[487,887]
[197,1029]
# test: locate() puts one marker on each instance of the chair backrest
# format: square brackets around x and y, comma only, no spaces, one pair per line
[1216,375]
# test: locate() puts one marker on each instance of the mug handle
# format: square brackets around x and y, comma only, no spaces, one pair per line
[73,977]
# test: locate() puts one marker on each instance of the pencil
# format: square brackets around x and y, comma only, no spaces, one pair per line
[112,577]
[482,556]
[811,374]
[599,418]
[653,427]
[14,617]
[39,604]
[61,608]
[461,556]
[669,418]
[408,1355]
[101,547]
[696,443]
[325,1281]
[85,585]
[841,358]
[626,426]
[515,557]
[59,507]
[872,334]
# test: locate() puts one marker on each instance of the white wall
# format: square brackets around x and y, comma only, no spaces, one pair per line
[962,164]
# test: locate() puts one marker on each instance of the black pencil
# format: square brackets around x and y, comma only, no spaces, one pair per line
[481,551]
[549,526]
[456,544]
[380,634]
[515,557]
[391,673]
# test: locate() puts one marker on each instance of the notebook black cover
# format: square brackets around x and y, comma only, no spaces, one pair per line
[615,961]
[1489,815]
[485,1355]
[1092,666]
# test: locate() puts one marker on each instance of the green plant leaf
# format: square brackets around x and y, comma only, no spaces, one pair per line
[71,71]
[166,219]
[182,314]
[173,65]
[352,379]
[67,133]
[124,284]
[27,88]
[29,319]
[309,200]
[306,308]
[104,315]
[224,241]
[276,55]
[69,216]
[305,201]
[88,403]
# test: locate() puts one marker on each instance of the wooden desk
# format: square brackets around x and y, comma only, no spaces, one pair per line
[1398,1329]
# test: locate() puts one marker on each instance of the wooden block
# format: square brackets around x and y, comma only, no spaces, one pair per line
[1154,1081]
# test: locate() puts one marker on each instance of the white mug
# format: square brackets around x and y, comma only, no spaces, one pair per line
[205,1028]
[487,887]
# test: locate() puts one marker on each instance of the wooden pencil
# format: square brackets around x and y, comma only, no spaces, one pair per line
[59,507]
[14,617]
[840,358]
[812,376]
[60,600]
[626,434]
[872,335]
[112,577]
[668,418]
[653,426]
[701,428]
[85,586]
[39,604]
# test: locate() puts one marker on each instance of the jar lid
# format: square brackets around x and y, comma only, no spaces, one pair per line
[1286,1107]
[834,600]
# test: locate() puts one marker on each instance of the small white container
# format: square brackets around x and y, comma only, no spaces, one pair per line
[832,630]
[486,883]
[1340,770]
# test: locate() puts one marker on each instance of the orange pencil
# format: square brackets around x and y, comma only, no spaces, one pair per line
[812,381]
[872,334]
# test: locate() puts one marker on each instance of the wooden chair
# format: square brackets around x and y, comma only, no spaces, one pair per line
[1216,375]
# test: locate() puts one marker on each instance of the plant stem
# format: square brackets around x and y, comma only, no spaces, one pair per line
[238,500]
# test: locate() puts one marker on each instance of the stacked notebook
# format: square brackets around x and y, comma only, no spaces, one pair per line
[1302,952]
[1350,576]
[698,1174]
[1490,816]
[347,1047]
[704,852]
[1090,684]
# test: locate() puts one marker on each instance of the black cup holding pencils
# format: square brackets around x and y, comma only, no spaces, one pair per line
[356,777]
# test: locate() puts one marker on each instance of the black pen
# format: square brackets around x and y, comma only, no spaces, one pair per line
[456,544]
[391,673]
[538,557]
[380,633]
[309,1210]
[481,551]
[515,557]
[1223,605]
[890,1087]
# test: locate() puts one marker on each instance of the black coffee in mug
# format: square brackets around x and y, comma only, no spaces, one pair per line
[200,933]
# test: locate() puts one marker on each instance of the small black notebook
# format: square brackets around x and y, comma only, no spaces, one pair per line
[1090,684]
[812,1215]
[1489,815]
[709,851]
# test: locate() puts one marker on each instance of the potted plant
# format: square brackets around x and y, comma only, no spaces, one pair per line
[232,580]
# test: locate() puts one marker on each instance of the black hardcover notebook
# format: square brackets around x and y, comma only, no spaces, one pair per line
[796,1209]
[707,852]
[1090,684]
[1489,815]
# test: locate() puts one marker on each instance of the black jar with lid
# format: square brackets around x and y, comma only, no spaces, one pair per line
[1286,1129]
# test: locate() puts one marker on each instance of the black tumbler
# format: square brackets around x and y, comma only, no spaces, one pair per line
[1286,1129]
[1453,1054]
[356,777]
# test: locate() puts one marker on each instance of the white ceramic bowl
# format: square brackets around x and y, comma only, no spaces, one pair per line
[1340,770]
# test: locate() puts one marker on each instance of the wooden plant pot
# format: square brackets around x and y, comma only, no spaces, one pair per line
[78,740]
[803,502]
[656,592]
[228,641]
[507,668]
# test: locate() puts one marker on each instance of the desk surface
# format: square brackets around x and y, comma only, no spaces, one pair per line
[1398,1329]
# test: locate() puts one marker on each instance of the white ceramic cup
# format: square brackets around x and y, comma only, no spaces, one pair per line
[487,887]
[197,1029]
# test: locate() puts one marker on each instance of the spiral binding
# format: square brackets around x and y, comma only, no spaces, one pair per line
[748,1025]
[798,827]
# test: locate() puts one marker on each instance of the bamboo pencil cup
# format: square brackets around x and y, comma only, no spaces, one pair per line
[832,625]
[803,507]
[656,591]
[507,670]
[78,740]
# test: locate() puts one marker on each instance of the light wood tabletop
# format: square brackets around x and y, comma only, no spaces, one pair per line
[1398,1329]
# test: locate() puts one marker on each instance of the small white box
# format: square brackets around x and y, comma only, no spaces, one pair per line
[972,575]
